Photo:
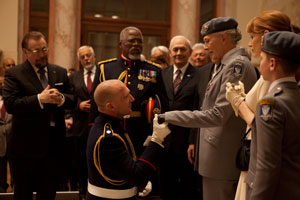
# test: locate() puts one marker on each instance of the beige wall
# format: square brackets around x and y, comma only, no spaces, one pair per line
[9,28]
[244,10]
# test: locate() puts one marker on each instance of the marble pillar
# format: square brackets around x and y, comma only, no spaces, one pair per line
[185,19]
[63,33]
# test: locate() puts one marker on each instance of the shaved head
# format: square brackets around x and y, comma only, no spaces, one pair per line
[113,97]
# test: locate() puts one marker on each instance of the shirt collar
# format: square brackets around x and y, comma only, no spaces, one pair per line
[183,69]
[93,70]
[281,80]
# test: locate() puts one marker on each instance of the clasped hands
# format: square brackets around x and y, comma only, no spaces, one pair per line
[235,94]
[51,96]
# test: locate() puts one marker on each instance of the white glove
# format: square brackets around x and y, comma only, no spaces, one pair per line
[160,131]
[235,94]
[146,190]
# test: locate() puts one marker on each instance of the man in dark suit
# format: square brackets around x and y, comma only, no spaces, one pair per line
[181,82]
[81,82]
[36,94]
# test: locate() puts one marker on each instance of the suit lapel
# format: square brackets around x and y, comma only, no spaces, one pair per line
[82,83]
[32,77]
[168,76]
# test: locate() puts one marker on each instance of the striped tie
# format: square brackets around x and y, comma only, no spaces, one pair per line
[177,80]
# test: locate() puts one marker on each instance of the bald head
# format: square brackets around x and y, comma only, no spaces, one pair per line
[113,97]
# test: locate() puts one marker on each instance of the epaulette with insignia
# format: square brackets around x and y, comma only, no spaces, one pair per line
[108,130]
[266,109]
[278,91]
[106,61]
[153,63]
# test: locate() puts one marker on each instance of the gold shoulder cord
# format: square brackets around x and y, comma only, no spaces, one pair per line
[121,77]
[96,154]
[102,76]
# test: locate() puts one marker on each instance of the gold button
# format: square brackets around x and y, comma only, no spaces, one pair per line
[129,75]
[129,83]
[128,68]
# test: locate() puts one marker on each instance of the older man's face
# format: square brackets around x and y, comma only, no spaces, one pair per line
[37,52]
[132,45]
[87,58]
[199,57]
[180,52]
[8,63]
[214,44]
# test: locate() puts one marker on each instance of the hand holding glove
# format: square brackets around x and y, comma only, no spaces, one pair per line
[160,131]
[235,94]
[146,190]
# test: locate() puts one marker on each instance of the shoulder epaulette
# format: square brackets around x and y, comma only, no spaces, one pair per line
[278,91]
[107,61]
[153,63]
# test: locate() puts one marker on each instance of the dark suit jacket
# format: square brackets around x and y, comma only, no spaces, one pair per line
[30,135]
[185,99]
[80,118]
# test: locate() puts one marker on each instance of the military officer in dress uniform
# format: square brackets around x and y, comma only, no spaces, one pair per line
[113,168]
[274,160]
[220,130]
[141,77]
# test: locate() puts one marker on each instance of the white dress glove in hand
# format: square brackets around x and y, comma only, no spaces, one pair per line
[235,94]
[146,190]
[160,131]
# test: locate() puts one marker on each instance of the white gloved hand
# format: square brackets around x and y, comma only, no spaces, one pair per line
[146,190]
[160,131]
[235,94]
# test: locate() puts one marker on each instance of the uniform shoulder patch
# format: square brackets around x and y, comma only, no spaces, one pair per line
[266,109]
[153,63]
[107,61]
[237,69]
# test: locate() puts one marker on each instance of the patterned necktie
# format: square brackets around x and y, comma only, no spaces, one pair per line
[89,82]
[177,81]
[3,111]
[43,78]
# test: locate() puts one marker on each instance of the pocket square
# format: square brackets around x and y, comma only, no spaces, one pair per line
[58,84]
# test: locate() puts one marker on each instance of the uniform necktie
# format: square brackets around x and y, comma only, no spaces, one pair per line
[89,82]
[3,111]
[43,78]
[177,80]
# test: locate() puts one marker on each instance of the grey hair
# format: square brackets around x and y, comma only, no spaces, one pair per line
[128,28]
[198,46]
[162,48]
[181,37]
[85,47]
[235,35]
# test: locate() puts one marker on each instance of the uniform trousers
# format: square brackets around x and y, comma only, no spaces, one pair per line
[218,189]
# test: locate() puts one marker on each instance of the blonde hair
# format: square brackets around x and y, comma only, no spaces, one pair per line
[272,20]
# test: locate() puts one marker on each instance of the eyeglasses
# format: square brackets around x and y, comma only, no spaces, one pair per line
[88,55]
[36,51]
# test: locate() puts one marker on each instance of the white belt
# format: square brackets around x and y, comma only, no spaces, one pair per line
[111,193]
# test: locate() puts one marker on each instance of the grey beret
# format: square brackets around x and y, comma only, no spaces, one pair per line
[283,44]
[218,24]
